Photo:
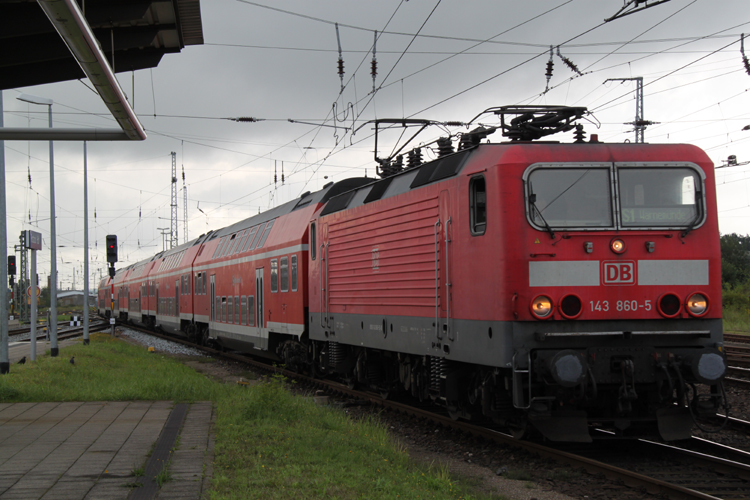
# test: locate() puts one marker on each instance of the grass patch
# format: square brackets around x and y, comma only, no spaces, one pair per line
[163,475]
[139,472]
[112,371]
[736,308]
[269,443]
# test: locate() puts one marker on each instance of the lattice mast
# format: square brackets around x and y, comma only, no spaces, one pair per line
[185,208]
[640,124]
[22,307]
[173,241]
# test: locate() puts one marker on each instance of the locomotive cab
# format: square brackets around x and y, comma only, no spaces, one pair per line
[624,295]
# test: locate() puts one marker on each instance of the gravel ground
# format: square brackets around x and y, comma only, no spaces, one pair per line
[160,345]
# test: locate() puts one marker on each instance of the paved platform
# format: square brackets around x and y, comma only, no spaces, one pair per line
[75,451]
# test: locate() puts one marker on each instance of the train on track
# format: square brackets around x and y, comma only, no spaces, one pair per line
[542,285]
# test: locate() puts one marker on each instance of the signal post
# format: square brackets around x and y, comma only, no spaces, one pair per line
[111,259]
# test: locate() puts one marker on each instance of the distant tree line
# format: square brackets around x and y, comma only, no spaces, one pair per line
[735,260]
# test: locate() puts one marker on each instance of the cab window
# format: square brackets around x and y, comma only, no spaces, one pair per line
[570,197]
[478,205]
[659,197]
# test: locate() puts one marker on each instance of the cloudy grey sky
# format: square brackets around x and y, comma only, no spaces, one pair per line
[277,61]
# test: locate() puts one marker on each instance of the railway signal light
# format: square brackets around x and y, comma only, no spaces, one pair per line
[111,248]
[11,270]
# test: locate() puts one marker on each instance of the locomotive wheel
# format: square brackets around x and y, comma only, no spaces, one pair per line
[518,429]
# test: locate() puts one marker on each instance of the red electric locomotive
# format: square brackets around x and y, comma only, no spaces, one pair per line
[538,284]
[562,285]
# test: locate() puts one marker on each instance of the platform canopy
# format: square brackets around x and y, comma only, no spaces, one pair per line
[33,53]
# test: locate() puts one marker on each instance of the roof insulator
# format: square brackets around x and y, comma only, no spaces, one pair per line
[579,134]
[445,146]
[414,158]
[246,119]
[568,62]
[374,63]
[550,66]
[341,59]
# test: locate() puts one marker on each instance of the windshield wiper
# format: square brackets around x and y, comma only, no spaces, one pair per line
[532,201]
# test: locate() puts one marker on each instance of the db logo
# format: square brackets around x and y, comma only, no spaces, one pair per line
[619,273]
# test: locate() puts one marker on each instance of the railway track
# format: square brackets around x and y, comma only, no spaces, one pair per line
[737,337]
[70,332]
[738,359]
[699,470]
[27,329]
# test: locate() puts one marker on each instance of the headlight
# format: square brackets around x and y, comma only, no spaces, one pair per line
[568,368]
[541,306]
[571,306]
[708,367]
[617,245]
[669,305]
[697,304]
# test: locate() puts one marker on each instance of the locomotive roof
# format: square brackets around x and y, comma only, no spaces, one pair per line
[402,182]
[451,165]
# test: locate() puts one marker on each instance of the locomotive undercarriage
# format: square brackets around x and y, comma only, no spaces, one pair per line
[561,393]
[631,392]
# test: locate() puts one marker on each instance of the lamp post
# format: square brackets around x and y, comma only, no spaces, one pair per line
[52,327]
[4,361]
[85,248]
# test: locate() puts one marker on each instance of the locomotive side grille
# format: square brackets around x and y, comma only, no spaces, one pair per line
[386,258]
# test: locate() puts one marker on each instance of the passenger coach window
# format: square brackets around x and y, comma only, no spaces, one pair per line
[236,310]
[228,246]
[218,247]
[274,275]
[659,197]
[478,205]
[569,198]
[265,234]
[284,272]
[243,310]
[251,240]
[294,273]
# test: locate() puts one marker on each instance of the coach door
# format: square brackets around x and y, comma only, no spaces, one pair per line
[213,297]
[177,298]
[262,332]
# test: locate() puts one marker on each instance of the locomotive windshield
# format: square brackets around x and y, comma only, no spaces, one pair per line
[582,197]
[570,197]
[658,197]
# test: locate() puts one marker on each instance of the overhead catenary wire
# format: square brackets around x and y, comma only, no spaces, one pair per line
[304,165]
